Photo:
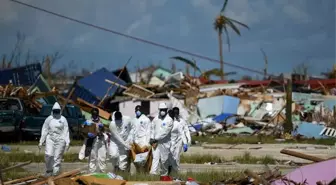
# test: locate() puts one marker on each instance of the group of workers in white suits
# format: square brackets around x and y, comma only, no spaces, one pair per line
[166,134]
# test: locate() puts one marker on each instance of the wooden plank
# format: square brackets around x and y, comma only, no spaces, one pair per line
[66,174]
[102,113]
[68,98]
[24,179]
[115,83]
[138,92]
[301,155]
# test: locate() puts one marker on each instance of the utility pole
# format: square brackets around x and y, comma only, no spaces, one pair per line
[288,126]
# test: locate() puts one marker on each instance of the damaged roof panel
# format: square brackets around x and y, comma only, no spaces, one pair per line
[21,76]
[96,84]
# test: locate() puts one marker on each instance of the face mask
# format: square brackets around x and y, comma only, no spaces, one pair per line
[138,113]
[118,122]
[95,118]
[56,112]
[162,113]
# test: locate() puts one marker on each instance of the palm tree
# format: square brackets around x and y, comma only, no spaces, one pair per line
[206,74]
[266,63]
[221,23]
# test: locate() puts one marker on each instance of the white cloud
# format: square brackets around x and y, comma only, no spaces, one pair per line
[83,38]
[144,21]
[296,13]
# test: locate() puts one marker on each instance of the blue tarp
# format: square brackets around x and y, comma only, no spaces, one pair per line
[224,116]
[310,130]
[21,76]
[218,105]
[93,88]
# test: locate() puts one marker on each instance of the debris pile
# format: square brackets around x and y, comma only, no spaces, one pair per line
[243,108]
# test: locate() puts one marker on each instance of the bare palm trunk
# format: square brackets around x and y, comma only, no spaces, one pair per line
[220,42]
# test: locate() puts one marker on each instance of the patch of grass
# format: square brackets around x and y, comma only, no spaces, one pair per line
[24,157]
[7,157]
[247,158]
[14,173]
[35,143]
[201,159]
[256,139]
[215,139]
[210,176]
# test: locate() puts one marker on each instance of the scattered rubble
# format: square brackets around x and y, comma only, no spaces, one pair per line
[245,108]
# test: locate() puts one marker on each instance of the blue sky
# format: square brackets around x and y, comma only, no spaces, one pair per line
[290,32]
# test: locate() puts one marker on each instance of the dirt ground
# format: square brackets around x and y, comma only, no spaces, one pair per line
[225,151]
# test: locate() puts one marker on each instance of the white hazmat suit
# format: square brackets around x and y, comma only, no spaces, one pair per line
[98,151]
[119,146]
[141,130]
[55,135]
[124,116]
[161,132]
[180,136]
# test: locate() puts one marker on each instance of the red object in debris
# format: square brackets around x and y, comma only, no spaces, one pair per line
[146,150]
[190,179]
[166,178]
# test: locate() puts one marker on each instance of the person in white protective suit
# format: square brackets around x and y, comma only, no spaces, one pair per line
[161,140]
[123,116]
[120,143]
[141,125]
[55,136]
[96,144]
[180,138]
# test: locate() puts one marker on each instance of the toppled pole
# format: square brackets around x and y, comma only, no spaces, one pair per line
[109,89]
[68,98]
[301,155]
[16,166]
[65,174]
[24,179]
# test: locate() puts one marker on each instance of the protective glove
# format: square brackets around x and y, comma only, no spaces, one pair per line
[128,147]
[101,125]
[91,135]
[67,147]
[39,146]
[87,123]
[185,147]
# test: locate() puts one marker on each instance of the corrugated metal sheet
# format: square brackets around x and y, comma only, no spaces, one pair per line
[81,92]
[41,85]
[21,76]
[96,85]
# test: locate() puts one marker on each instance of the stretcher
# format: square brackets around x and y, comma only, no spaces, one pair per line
[135,152]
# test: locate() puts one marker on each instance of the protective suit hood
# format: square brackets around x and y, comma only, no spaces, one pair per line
[56,106]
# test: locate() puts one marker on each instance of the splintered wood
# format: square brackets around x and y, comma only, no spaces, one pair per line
[137,91]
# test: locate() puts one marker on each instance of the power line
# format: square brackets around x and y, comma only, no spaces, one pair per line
[136,38]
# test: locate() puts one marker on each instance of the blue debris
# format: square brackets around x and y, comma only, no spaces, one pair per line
[5,148]
[21,76]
